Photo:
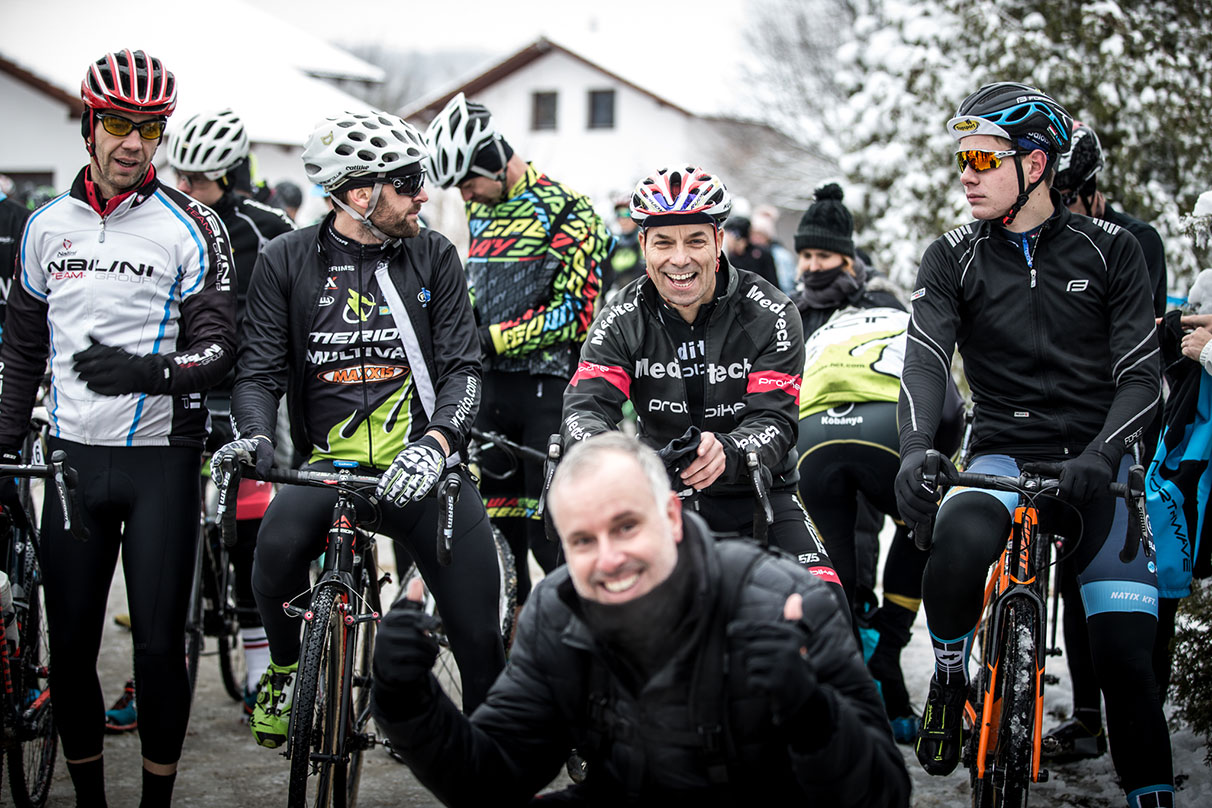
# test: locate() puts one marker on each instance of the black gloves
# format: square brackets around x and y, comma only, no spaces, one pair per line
[113,372]
[775,659]
[405,652]
[680,453]
[916,502]
[1085,477]
[414,472]
[256,450]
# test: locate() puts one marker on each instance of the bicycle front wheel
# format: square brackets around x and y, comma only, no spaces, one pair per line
[193,617]
[233,665]
[319,763]
[1012,726]
[31,762]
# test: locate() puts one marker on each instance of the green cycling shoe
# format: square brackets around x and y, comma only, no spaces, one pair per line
[270,721]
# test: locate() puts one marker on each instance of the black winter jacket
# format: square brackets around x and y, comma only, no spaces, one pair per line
[1061,355]
[642,747]
[754,363]
[424,285]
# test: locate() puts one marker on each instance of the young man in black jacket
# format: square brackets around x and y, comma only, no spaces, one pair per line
[363,322]
[686,671]
[1053,318]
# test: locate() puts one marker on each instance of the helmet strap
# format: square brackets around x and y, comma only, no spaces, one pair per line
[1024,192]
[364,219]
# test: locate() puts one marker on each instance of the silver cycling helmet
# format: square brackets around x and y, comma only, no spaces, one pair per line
[454,138]
[361,145]
[209,143]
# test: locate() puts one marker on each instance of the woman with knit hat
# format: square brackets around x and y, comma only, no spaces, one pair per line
[831,276]
[848,442]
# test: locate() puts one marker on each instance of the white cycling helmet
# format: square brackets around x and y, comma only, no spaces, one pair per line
[680,196]
[454,137]
[361,145]
[209,143]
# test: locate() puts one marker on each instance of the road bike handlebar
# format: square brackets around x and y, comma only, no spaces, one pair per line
[1039,478]
[233,472]
[448,497]
[64,478]
[489,439]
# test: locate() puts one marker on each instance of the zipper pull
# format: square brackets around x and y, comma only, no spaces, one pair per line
[1032,278]
[101,237]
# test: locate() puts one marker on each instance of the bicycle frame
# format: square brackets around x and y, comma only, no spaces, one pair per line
[1020,576]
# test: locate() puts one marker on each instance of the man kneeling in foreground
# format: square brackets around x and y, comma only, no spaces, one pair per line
[677,666]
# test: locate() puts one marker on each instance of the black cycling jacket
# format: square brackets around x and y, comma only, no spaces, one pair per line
[1060,355]
[423,283]
[754,351]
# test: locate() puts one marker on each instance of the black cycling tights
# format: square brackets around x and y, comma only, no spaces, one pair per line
[526,409]
[144,503]
[294,532]
[969,534]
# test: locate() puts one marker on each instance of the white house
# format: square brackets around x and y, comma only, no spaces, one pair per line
[599,132]
[279,85]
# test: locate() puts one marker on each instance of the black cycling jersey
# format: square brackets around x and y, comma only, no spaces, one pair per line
[1078,308]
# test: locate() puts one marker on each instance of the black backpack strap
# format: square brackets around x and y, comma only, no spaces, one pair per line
[709,692]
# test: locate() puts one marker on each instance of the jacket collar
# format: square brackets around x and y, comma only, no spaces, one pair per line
[1060,217]
[86,191]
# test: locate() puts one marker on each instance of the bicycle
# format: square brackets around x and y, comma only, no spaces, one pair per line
[29,737]
[1004,716]
[330,720]
[212,610]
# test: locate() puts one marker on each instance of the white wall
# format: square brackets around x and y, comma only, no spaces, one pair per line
[598,162]
[39,134]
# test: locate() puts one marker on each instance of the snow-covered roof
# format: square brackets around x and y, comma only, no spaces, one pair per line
[666,85]
[260,66]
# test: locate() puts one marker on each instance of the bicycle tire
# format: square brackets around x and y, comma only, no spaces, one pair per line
[233,665]
[31,762]
[507,592]
[315,714]
[361,683]
[1008,771]
[193,616]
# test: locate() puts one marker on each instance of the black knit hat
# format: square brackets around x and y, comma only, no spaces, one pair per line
[826,225]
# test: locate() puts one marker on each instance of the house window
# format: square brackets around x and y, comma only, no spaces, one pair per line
[601,109]
[543,111]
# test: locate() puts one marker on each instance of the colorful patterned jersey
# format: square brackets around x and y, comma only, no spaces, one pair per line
[536,290]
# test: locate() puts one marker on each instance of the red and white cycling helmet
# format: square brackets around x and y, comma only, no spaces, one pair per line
[130,81]
[680,196]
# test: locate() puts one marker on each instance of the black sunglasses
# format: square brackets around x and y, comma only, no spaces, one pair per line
[410,185]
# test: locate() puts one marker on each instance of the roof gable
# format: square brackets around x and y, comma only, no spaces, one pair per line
[428,107]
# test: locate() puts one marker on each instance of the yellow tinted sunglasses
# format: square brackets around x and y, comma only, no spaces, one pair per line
[118,126]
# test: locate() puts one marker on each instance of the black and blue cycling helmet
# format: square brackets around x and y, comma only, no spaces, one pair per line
[1027,117]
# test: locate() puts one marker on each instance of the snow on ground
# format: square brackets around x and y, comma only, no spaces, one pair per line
[1087,784]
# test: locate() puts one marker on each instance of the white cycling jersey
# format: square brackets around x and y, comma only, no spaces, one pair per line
[152,276]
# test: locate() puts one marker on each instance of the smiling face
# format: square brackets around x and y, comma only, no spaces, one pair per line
[120,163]
[619,541]
[682,260]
